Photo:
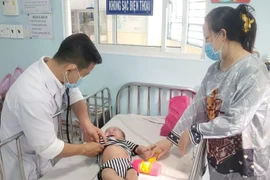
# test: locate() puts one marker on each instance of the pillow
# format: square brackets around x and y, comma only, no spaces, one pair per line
[177,106]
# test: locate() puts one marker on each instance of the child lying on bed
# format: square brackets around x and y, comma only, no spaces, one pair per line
[115,160]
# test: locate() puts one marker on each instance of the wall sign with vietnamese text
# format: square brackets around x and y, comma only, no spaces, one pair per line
[230,1]
[130,7]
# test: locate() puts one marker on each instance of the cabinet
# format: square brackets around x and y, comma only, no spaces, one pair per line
[83,22]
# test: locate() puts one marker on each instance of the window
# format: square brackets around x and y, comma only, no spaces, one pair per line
[176,26]
[196,15]
[194,11]
[129,30]
[175,21]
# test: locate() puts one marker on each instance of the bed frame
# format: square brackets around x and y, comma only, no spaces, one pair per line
[97,104]
[156,99]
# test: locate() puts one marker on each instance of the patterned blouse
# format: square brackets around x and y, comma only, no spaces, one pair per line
[231,111]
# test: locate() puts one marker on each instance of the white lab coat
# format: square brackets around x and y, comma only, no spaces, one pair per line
[29,106]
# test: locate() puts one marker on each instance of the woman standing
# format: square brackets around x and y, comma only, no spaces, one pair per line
[231,108]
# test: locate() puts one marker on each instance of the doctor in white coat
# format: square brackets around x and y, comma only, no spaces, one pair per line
[36,96]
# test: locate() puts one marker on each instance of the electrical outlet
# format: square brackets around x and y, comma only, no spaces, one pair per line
[1,31]
[19,31]
[12,30]
[6,31]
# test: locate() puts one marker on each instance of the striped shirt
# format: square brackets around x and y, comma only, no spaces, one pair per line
[128,146]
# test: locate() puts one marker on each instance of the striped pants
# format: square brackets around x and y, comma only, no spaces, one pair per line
[120,165]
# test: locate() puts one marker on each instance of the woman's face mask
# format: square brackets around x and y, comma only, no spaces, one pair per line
[210,50]
[73,85]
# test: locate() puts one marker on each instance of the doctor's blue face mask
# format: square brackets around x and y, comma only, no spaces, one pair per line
[210,50]
[73,85]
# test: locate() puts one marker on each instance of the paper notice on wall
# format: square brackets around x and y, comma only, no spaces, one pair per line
[132,24]
[41,26]
[37,6]
[10,7]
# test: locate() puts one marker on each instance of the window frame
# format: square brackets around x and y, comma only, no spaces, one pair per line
[189,24]
[144,51]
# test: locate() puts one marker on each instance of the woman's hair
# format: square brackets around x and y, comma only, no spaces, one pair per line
[236,27]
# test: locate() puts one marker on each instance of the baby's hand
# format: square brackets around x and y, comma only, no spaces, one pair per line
[143,152]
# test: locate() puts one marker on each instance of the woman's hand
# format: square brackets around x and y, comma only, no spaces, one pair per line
[164,146]
[184,142]
[143,152]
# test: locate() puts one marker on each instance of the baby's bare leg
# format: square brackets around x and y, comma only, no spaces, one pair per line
[110,174]
[132,174]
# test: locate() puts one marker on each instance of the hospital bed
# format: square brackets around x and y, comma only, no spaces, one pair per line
[140,113]
[141,119]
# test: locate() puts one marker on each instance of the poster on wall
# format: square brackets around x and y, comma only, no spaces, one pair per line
[130,7]
[37,6]
[41,26]
[230,1]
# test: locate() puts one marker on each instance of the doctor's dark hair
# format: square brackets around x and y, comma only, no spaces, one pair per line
[231,20]
[78,49]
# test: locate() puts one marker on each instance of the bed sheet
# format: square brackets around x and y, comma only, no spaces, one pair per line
[142,130]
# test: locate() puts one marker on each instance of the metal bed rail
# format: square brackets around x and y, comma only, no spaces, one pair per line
[16,138]
[199,167]
[1,107]
[151,89]
[97,104]
[101,98]
[105,102]
[160,92]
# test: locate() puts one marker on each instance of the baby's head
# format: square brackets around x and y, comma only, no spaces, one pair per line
[115,132]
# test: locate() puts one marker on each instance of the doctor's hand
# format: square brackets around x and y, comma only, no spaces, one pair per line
[164,146]
[184,142]
[92,149]
[92,133]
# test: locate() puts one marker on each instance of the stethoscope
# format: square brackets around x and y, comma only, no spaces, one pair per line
[67,115]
